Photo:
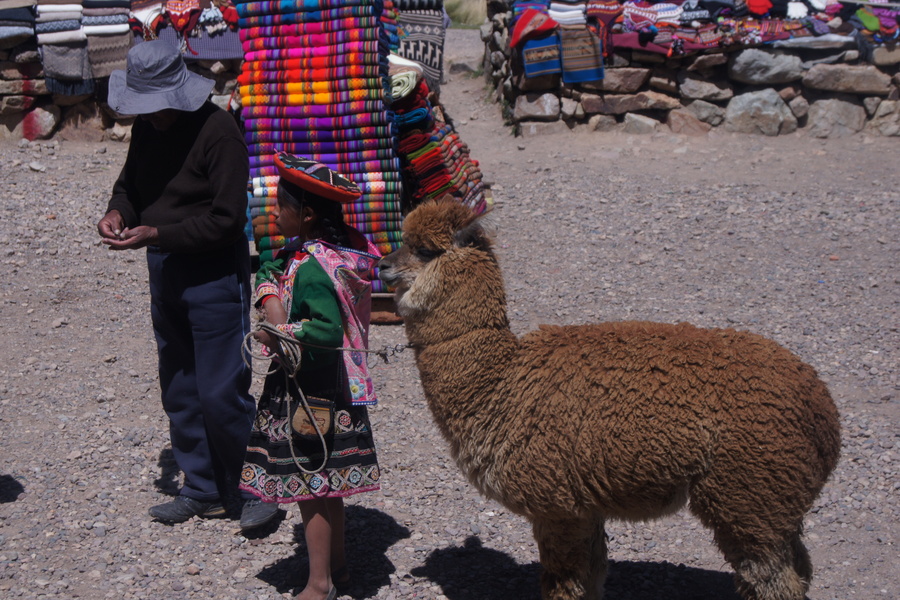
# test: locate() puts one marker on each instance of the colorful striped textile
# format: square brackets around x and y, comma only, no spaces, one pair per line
[269,7]
[342,12]
[316,39]
[362,119]
[301,29]
[365,47]
[300,112]
[287,75]
[309,87]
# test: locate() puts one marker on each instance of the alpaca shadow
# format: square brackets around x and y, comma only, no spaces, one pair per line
[474,572]
[369,533]
[167,482]
[10,489]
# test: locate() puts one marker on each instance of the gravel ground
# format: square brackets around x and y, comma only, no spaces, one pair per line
[794,238]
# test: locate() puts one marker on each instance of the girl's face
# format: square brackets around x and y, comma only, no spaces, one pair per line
[293,223]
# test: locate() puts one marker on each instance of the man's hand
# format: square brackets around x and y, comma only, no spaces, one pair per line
[111,225]
[132,239]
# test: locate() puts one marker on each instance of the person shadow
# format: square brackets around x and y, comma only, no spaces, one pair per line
[473,572]
[368,535]
[10,489]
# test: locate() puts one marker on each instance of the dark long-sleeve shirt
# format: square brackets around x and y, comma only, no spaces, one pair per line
[190,181]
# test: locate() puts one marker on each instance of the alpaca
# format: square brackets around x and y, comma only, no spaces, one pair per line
[571,426]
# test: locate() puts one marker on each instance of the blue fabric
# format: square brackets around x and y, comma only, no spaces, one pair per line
[200,308]
[541,56]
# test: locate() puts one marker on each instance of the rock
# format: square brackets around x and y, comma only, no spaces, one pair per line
[695,88]
[119,133]
[884,55]
[15,104]
[664,80]
[535,129]
[13,70]
[60,100]
[799,106]
[602,123]
[862,80]
[36,124]
[533,84]
[464,68]
[83,122]
[536,107]
[833,117]
[27,87]
[759,67]
[569,108]
[706,62]
[620,81]
[497,58]
[789,92]
[640,124]
[886,119]
[706,111]
[685,122]
[485,31]
[617,104]
[762,112]
[651,58]
[871,105]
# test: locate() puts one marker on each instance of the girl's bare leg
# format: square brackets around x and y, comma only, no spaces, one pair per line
[323,520]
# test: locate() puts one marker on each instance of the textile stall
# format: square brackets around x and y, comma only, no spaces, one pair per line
[423,25]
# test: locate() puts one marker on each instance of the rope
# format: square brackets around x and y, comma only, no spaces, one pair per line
[289,352]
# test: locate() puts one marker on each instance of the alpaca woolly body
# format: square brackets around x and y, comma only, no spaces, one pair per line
[571,426]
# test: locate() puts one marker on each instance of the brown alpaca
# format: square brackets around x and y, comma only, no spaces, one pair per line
[572,426]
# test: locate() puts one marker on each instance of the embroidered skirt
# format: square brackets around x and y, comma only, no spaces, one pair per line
[270,470]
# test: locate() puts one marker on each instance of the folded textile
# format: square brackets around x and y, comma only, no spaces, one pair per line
[581,55]
[276,137]
[105,3]
[403,5]
[374,179]
[265,7]
[542,56]
[369,48]
[93,20]
[106,29]
[312,110]
[66,61]
[288,75]
[58,16]
[61,37]
[323,123]
[69,87]
[568,18]
[313,40]
[270,19]
[403,84]
[310,86]
[8,7]
[293,65]
[337,135]
[311,98]
[43,9]
[302,29]
[102,12]
[107,53]
[54,26]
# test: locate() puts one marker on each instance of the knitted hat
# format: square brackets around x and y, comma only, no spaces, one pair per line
[316,178]
[532,24]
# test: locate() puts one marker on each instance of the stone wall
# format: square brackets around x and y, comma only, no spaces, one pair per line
[825,89]
[29,111]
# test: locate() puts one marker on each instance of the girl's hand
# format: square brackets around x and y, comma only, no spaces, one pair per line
[274,311]
[266,339]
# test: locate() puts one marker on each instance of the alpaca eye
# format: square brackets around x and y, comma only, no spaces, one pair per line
[427,254]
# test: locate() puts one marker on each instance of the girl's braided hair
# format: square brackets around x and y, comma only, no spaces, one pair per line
[331,214]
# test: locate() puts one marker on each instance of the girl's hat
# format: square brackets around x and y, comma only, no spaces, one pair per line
[316,178]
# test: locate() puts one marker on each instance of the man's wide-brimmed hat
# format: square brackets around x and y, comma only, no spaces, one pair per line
[156,78]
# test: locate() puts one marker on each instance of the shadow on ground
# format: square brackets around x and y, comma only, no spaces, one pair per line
[369,534]
[473,572]
[10,489]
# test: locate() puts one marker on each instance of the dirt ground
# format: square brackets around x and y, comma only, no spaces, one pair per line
[794,238]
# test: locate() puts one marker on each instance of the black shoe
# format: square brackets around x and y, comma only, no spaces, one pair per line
[183,508]
[257,513]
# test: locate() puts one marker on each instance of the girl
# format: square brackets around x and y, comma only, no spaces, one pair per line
[314,292]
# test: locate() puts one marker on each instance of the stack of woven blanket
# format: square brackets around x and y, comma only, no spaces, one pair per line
[63,46]
[16,22]
[435,161]
[313,84]
[105,23]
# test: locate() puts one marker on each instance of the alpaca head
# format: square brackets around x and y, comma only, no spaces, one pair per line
[446,267]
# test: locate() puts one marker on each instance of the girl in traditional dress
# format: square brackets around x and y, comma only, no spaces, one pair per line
[315,292]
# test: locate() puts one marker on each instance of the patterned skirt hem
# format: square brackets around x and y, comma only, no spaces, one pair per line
[329,494]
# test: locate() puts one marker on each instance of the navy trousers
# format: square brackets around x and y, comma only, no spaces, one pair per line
[200,308]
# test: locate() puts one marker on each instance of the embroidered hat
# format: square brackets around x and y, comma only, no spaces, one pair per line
[156,78]
[531,24]
[316,178]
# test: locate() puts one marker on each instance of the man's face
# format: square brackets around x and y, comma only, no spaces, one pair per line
[163,119]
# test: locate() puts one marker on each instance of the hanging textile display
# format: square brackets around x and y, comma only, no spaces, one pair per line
[422,31]
[313,84]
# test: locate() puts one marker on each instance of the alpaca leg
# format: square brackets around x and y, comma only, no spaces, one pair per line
[769,564]
[573,557]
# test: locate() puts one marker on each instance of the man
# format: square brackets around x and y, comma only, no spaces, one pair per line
[182,195]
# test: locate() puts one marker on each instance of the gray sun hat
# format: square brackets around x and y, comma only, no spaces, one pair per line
[156,78]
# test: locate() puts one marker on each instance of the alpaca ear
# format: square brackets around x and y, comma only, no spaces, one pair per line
[477,234]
